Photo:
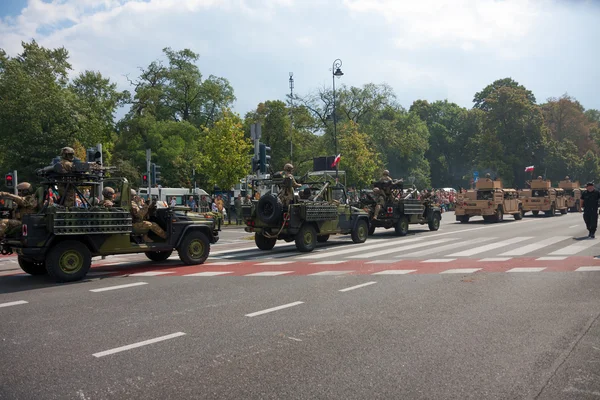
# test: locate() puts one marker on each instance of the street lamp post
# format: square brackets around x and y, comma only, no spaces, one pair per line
[291,116]
[335,72]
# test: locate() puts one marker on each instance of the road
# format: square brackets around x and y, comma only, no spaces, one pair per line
[473,311]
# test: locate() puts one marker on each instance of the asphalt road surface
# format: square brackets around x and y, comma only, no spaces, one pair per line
[472,311]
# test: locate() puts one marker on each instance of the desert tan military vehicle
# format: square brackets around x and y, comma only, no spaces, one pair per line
[543,197]
[489,200]
[572,194]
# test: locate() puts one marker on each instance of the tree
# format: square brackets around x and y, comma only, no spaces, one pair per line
[480,98]
[566,120]
[590,168]
[363,163]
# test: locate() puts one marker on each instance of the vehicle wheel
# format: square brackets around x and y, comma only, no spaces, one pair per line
[68,261]
[518,216]
[563,211]
[322,238]
[360,232]
[551,212]
[269,209]
[463,219]
[159,255]
[32,267]
[434,223]
[194,249]
[306,239]
[535,213]
[499,217]
[488,218]
[372,229]
[263,242]
[402,226]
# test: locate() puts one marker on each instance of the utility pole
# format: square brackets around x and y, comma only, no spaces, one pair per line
[148,159]
[291,116]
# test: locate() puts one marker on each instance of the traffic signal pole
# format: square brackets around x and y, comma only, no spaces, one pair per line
[148,157]
[16,179]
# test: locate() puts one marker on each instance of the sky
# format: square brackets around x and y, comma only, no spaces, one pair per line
[424,49]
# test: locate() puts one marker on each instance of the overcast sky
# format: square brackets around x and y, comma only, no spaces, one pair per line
[424,49]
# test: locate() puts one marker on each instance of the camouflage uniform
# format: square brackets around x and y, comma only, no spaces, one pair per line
[26,204]
[67,157]
[108,194]
[380,199]
[286,194]
[141,225]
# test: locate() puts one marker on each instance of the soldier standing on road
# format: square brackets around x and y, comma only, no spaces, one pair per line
[589,203]
[141,226]
[286,194]
[108,195]
[380,199]
[26,204]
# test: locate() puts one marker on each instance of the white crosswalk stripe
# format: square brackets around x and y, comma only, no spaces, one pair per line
[574,248]
[530,248]
[489,247]
[401,248]
[359,248]
[439,249]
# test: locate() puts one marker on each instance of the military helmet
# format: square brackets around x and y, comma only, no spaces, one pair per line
[376,190]
[488,175]
[133,193]
[67,151]
[567,178]
[108,192]
[539,177]
[288,167]
[24,188]
[386,172]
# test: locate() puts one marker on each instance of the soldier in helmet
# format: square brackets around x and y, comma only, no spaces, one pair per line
[65,166]
[567,178]
[286,194]
[141,225]
[380,199]
[385,177]
[108,195]
[488,176]
[26,204]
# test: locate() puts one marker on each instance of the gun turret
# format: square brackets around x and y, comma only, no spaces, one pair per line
[79,171]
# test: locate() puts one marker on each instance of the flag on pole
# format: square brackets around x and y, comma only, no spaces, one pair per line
[336,160]
[529,169]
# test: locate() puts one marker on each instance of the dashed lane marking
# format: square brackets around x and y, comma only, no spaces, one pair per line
[395,272]
[357,286]
[223,263]
[327,262]
[268,310]
[531,269]
[105,289]
[152,273]
[210,273]
[330,273]
[495,259]
[13,303]
[276,263]
[461,271]
[439,260]
[270,273]
[587,269]
[138,344]
[550,258]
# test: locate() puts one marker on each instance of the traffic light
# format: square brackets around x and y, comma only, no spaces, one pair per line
[93,155]
[145,179]
[255,164]
[155,173]
[10,180]
[264,152]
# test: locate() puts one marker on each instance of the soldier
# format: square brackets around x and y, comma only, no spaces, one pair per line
[139,212]
[385,177]
[380,199]
[488,176]
[567,178]
[108,195]
[286,194]
[539,178]
[26,204]
[238,209]
[67,158]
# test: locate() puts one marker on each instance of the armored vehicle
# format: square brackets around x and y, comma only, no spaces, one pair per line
[316,212]
[541,196]
[61,240]
[490,200]
[572,194]
[401,209]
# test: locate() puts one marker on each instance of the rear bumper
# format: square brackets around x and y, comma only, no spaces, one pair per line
[474,212]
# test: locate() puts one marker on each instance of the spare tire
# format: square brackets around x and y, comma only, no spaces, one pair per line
[269,209]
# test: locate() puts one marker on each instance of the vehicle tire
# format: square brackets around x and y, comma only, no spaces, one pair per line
[551,212]
[360,231]
[519,216]
[563,211]
[463,219]
[499,217]
[372,229]
[32,267]
[306,238]
[322,238]
[434,223]
[269,209]
[535,213]
[159,255]
[263,242]
[402,226]
[488,218]
[68,261]
[194,248]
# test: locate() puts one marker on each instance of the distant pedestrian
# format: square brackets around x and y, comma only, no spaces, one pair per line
[589,203]
[191,203]
[173,202]
[238,209]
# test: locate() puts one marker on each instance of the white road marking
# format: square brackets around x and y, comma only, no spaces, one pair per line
[152,273]
[587,269]
[353,248]
[574,248]
[330,273]
[270,273]
[551,258]
[488,247]
[395,272]
[383,262]
[327,262]
[401,248]
[574,226]
[13,303]
[532,269]
[357,286]
[268,310]
[209,273]
[535,246]
[460,271]
[222,263]
[113,263]
[275,263]
[438,260]
[495,259]
[104,289]
[138,344]
[435,250]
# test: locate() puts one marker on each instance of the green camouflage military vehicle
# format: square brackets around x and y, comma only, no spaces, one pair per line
[400,210]
[317,212]
[61,241]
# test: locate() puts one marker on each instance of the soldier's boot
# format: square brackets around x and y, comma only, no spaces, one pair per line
[147,239]
[377,210]
[158,230]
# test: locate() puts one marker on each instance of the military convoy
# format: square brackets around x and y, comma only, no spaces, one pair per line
[541,196]
[490,200]
[315,213]
[572,194]
[61,240]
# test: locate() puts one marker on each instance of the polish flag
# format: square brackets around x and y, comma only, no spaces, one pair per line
[529,169]
[336,160]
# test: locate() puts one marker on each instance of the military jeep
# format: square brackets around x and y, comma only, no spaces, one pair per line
[489,200]
[61,241]
[543,197]
[318,211]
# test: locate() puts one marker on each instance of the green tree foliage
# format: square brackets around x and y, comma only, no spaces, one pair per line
[360,162]
[480,99]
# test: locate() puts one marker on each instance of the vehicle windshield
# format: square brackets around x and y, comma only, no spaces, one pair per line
[539,193]
[485,195]
[569,192]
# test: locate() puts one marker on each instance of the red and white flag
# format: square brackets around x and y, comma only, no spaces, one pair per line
[529,169]
[336,160]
